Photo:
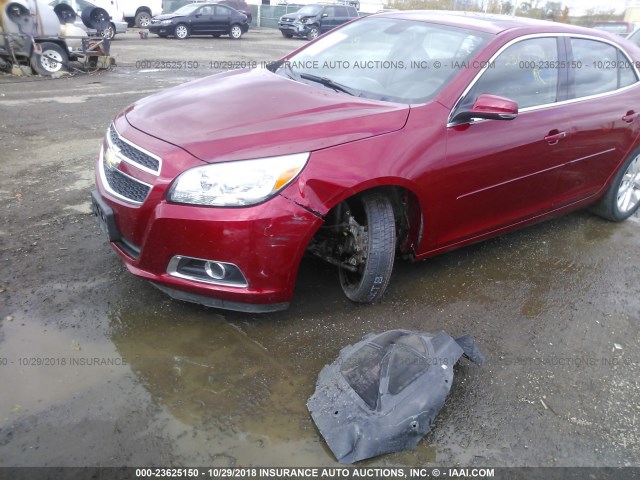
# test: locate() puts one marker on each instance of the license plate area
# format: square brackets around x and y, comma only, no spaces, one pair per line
[104,216]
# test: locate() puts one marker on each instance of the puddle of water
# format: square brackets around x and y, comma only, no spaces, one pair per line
[46,366]
[223,394]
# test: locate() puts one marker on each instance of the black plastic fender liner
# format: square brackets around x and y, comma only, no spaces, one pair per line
[96,18]
[382,394]
[65,13]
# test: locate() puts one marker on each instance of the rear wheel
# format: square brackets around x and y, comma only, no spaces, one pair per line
[182,31]
[53,59]
[235,32]
[143,19]
[623,197]
[370,247]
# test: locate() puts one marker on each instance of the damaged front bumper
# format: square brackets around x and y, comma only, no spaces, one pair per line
[238,259]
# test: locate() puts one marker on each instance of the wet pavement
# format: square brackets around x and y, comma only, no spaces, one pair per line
[99,368]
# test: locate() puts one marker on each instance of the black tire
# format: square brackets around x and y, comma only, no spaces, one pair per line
[235,32]
[313,33]
[143,19]
[52,60]
[181,31]
[65,13]
[286,35]
[96,18]
[216,35]
[374,212]
[623,196]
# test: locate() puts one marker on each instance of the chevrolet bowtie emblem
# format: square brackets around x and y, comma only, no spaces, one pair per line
[111,159]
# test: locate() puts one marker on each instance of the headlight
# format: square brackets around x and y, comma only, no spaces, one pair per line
[165,22]
[234,184]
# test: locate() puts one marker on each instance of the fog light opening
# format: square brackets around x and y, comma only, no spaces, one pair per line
[215,270]
[207,271]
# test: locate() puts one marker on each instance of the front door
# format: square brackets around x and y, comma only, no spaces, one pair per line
[505,171]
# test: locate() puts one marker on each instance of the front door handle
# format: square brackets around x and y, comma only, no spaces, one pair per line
[630,116]
[554,137]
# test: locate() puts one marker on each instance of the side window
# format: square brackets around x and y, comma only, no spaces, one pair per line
[220,10]
[341,11]
[598,67]
[525,72]
[330,11]
[206,11]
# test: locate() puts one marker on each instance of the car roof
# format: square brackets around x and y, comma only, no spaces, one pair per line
[490,23]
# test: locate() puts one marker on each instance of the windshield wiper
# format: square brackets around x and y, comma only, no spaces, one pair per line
[328,83]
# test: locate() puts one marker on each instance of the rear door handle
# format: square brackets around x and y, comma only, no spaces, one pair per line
[554,137]
[630,116]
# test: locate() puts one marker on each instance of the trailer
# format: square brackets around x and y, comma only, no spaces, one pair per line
[35,37]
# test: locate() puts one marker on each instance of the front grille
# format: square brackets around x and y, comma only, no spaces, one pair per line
[133,154]
[125,186]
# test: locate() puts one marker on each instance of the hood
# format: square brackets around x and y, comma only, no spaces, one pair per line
[246,114]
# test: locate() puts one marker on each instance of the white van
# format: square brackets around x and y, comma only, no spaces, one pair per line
[138,12]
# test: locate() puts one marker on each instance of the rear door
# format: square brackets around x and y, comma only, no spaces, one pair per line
[222,19]
[342,15]
[603,83]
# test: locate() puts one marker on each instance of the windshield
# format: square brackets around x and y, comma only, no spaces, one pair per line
[188,9]
[309,10]
[386,59]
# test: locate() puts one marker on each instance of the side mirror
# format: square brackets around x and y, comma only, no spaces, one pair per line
[325,15]
[490,107]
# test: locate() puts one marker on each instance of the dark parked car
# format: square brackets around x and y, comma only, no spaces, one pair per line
[619,28]
[314,20]
[200,19]
[403,133]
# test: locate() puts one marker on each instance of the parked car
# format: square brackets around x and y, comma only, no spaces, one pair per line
[316,19]
[239,5]
[635,37]
[619,28]
[201,19]
[116,23]
[403,133]
[354,3]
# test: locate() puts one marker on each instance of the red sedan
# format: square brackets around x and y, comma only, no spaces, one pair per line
[408,133]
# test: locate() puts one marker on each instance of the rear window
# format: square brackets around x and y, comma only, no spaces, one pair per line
[599,68]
